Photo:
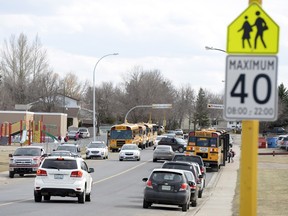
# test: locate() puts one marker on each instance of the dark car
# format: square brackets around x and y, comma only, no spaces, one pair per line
[193,187]
[183,165]
[163,152]
[191,158]
[167,186]
[177,144]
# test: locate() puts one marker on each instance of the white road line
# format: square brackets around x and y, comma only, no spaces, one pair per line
[10,203]
[121,173]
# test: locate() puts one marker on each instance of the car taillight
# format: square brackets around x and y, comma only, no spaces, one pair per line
[149,184]
[183,187]
[77,174]
[202,169]
[41,172]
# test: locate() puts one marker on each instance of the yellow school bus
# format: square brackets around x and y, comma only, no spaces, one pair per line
[151,132]
[210,145]
[143,136]
[123,134]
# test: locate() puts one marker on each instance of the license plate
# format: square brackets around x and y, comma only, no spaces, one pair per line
[166,187]
[203,149]
[58,176]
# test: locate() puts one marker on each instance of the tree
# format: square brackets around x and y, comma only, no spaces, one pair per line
[21,65]
[201,114]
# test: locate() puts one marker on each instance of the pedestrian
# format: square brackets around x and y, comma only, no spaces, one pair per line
[229,156]
[232,154]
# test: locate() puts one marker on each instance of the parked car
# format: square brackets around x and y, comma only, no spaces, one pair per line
[73,135]
[193,187]
[26,160]
[163,152]
[179,133]
[177,144]
[280,141]
[167,186]
[192,158]
[130,152]
[97,149]
[183,165]
[84,132]
[73,148]
[64,176]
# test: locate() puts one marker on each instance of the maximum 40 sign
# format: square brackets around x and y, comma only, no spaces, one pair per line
[251,88]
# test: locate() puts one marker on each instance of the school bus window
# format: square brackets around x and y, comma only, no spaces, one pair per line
[120,134]
[192,139]
[213,142]
[203,142]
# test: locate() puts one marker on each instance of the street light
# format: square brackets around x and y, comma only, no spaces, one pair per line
[213,48]
[94,99]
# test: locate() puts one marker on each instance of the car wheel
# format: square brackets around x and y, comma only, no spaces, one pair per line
[47,198]
[138,159]
[11,174]
[200,193]
[88,197]
[120,159]
[37,197]
[107,157]
[181,149]
[82,196]
[21,175]
[88,157]
[194,203]
[185,206]
[146,204]
[155,160]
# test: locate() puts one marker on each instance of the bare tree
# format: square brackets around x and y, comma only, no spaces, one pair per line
[21,65]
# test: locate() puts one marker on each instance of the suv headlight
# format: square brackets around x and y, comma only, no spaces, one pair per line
[11,161]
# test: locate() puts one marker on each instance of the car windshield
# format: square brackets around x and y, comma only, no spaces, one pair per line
[67,148]
[96,145]
[177,166]
[181,141]
[61,153]
[129,147]
[27,152]
[83,130]
[166,176]
[57,163]
[187,158]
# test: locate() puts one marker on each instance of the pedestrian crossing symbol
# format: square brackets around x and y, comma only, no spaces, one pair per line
[253,32]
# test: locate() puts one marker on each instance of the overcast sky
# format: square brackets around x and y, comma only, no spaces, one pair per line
[168,35]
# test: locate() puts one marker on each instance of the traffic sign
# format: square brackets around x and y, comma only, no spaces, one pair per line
[215,106]
[253,32]
[251,88]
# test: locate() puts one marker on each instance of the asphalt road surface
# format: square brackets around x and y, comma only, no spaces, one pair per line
[117,190]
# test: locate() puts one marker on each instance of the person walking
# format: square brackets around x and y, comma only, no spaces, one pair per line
[232,154]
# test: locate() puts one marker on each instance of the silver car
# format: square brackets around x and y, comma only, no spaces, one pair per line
[163,152]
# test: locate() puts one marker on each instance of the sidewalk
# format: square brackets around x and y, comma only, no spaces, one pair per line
[221,188]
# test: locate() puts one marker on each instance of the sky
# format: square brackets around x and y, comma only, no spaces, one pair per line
[166,35]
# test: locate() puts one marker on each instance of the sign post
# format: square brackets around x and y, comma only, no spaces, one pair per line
[251,89]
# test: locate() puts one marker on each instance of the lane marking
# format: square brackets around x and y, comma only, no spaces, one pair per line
[121,173]
[10,203]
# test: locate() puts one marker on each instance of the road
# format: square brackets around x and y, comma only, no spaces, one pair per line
[117,190]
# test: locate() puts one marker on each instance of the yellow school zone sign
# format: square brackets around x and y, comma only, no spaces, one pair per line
[253,32]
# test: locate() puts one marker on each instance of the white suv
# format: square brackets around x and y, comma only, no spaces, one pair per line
[63,176]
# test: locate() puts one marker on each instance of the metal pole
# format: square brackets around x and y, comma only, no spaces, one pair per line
[94,95]
[139,106]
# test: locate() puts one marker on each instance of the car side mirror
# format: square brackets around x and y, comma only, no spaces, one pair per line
[201,176]
[78,149]
[91,170]
[44,155]
[145,179]
[10,155]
